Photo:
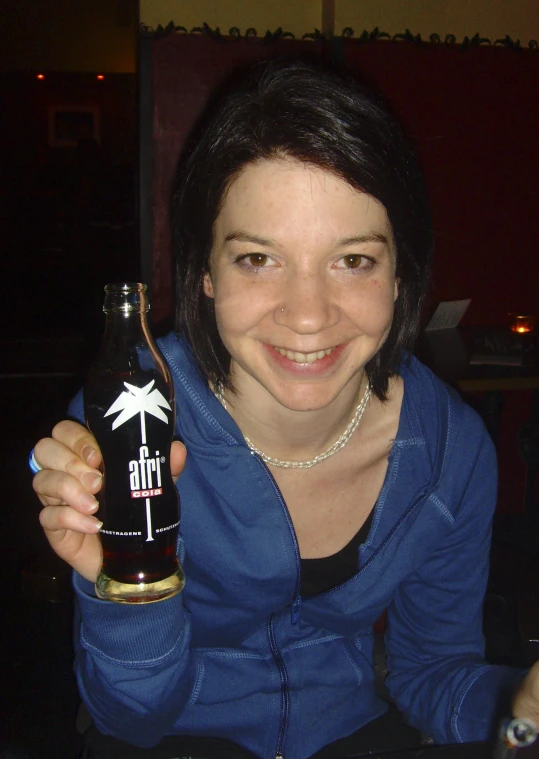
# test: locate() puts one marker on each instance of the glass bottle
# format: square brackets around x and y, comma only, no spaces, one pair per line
[130,409]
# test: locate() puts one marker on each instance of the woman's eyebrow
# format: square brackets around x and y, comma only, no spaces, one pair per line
[370,237]
[245,237]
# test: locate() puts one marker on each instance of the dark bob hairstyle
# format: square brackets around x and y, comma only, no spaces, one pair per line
[294,110]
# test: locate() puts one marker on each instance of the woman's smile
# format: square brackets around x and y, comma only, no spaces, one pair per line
[313,363]
[303,358]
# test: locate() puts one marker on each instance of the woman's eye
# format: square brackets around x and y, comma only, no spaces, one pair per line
[354,261]
[257,259]
[253,261]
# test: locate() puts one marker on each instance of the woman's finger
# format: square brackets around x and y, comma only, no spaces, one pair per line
[57,487]
[62,518]
[53,455]
[78,438]
[74,538]
[178,454]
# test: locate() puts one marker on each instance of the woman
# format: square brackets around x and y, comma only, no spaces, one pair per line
[329,475]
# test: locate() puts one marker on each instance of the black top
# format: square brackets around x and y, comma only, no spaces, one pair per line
[319,575]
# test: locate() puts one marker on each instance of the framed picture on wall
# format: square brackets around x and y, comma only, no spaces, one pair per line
[70,123]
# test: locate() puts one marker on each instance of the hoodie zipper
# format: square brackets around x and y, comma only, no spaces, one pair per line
[296,599]
[294,618]
[285,696]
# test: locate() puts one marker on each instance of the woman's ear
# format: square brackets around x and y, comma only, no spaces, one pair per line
[396,289]
[207,285]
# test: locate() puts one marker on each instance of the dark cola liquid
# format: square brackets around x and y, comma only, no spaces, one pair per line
[138,503]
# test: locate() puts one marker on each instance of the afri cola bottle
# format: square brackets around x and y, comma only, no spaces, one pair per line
[130,410]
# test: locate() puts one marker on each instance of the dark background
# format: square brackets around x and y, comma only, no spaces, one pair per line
[68,225]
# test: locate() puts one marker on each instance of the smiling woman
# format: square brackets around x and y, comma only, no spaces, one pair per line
[354,142]
[330,476]
[302,273]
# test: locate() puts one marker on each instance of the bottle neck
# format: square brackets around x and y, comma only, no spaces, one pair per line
[126,327]
[127,335]
[126,298]
[126,307]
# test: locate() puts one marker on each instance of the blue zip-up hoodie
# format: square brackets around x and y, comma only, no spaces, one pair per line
[239,655]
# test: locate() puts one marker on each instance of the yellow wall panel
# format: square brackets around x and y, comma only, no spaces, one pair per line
[491,18]
[296,16]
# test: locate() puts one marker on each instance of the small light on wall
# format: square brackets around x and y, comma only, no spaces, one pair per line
[100,77]
[40,77]
[523,323]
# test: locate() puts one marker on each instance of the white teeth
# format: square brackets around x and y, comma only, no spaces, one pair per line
[304,358]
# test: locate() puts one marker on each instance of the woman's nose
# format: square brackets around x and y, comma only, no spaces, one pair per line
[306,306]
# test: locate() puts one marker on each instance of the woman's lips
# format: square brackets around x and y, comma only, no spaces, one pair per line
[303,358]
[315,362]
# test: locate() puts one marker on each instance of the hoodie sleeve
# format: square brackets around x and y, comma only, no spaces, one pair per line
[133,663]
[437,672]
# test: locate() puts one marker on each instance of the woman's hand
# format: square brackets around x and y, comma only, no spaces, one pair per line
[526,701]
[66,486]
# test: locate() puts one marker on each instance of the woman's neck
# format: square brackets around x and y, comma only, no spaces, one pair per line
[286,433]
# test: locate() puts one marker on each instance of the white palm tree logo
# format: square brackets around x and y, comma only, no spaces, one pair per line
[139,400]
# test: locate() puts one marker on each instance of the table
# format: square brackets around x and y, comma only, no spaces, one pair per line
[448,352]
[458,751]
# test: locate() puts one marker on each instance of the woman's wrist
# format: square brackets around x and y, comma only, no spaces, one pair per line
[526,697]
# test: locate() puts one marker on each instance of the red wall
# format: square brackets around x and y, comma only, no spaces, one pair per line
[474,117]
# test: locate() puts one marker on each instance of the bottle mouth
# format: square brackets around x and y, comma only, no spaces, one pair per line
[124,287]
[126,297]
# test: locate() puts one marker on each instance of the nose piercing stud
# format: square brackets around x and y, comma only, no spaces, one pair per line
[282,310]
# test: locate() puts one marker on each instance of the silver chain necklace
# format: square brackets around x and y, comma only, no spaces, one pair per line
[337,445]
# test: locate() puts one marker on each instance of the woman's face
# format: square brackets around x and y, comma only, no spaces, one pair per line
[302,272]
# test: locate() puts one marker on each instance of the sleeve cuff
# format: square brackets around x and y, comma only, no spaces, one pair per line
[478,714]
[138,634]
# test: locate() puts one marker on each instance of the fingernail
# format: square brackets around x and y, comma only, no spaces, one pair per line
[87,452]
[91,480]
[89,503]
[93,524]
